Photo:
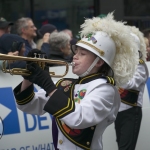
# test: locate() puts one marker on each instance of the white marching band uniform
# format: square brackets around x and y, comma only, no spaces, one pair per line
[83,108]
[137,83]
[99,96]
[128,121]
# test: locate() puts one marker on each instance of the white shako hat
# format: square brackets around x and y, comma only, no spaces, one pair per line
[139,39]
[100,44]
[111,41]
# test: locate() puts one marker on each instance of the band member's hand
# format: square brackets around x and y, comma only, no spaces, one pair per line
[40,77]
[35,53]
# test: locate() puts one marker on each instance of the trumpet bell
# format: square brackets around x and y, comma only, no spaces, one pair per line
[42,62]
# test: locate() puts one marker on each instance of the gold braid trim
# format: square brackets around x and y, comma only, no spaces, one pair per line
[92,46]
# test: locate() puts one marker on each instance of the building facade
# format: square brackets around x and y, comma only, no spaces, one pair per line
[71,13]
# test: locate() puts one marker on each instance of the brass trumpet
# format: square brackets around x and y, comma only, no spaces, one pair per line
[7,59]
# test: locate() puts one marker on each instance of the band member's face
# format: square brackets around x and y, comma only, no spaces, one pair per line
[82,59]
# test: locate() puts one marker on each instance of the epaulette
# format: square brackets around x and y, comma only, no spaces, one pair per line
[141,61]
[109,80]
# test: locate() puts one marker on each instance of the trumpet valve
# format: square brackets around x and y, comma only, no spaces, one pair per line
[35,54]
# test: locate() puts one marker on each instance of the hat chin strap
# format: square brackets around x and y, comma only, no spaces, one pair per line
[90,68]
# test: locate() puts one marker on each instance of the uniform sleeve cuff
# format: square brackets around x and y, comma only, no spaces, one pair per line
[59,105]
[25,96]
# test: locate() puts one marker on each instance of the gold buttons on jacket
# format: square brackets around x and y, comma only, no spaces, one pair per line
[88,143]
[60,141]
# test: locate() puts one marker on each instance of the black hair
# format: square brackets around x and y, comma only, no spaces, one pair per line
[106,70]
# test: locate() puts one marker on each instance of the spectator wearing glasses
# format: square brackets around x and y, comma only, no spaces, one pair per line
[27,30]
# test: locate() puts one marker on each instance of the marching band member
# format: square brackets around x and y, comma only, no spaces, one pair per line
[83,108]
[128,121]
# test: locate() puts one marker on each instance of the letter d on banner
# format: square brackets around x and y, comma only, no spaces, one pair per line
[26,122]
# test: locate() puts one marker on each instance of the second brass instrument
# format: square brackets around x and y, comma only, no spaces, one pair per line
[7,59]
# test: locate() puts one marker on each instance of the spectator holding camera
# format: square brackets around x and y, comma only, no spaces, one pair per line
[12,44]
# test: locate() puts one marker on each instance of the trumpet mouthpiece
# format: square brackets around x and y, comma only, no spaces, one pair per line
[72,63]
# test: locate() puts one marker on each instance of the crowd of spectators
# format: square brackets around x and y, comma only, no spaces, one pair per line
[55,44]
